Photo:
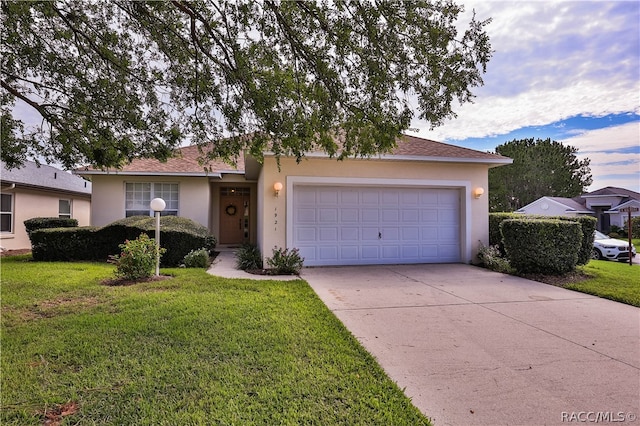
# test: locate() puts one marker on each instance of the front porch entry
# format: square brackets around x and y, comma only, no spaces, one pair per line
[234,215]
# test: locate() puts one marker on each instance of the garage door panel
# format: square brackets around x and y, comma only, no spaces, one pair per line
[349,197]
[370,215]
[448,216]
[428,198]
[429,215]
[328,253]
[391,253]
[350,253]
[328,196]
[328,215]
[351,225]
[305,215]
[390,216]
[410,216]
[349,215]
[411,251]
[349,234]
[390,234]
[429,233]
[448,234]
[410,233]
[370,252]
[309,254]
[370,197]
[306,234]
[370,234]
[450,252]
[328,234]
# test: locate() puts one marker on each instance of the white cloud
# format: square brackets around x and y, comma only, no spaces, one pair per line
[553,60]
[608,139]
[608,149]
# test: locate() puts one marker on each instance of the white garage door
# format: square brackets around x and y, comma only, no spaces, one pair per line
[335,225]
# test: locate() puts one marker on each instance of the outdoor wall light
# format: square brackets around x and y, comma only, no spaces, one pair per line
[277,187]
[157,205]
[477,193]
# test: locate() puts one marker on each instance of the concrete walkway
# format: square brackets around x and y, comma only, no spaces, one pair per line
[474,347]
[224,265]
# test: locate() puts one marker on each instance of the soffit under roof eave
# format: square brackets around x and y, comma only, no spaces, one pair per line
[492,162]
[140,173]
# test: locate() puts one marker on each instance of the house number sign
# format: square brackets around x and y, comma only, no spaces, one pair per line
[275,218]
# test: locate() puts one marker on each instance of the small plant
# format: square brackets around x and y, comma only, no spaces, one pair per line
[197,258]
[137,259]
[492,259]
[248,257]
[285,261]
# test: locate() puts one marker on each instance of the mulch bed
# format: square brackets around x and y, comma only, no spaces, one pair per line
[14,252]
[558,280]
[113,282]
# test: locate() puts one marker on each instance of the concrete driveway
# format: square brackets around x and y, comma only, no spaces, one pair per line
[473,347]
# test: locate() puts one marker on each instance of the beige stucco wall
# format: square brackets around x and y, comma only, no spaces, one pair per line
[272,224]
[30,203]
[109,197]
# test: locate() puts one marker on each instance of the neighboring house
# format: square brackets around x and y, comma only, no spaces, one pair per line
[422,203]
[44,191]
[603,204]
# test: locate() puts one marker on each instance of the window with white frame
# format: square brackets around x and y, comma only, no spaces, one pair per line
[138,196]
[6,213]
[64,208]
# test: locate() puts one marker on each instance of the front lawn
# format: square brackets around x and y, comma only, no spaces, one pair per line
[612,280]
[192,349]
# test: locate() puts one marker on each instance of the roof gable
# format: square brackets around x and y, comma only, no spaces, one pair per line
[569,204]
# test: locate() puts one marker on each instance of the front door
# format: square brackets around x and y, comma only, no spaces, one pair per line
[234,215]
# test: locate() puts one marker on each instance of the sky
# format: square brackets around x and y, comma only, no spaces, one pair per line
[565,70]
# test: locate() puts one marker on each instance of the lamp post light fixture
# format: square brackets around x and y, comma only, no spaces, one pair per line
[157,205]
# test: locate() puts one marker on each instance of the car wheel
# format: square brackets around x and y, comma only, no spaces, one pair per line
[596,254]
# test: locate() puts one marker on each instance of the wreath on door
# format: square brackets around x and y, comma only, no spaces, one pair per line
[231,210]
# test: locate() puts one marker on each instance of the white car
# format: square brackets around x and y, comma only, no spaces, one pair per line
[610,248]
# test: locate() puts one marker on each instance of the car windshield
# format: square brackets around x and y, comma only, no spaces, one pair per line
[600,236]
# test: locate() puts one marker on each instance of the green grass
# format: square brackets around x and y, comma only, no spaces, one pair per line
[612,280]
[193,349]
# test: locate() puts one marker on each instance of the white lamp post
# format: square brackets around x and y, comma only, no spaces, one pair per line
[157,205]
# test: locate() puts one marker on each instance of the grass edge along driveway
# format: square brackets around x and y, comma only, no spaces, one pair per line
[193,349]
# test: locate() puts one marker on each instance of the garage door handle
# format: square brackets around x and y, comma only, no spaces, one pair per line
[379,235]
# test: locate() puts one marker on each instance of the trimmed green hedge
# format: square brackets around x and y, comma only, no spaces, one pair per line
[635,227]
[495,219]
[177,235]
[548,246]
[588,227]
[49,222]
[587,223]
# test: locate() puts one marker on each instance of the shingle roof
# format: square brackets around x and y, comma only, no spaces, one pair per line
[44,177]
[570,203]
[186,162]
[614,191]
[419,147]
